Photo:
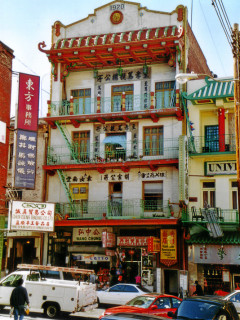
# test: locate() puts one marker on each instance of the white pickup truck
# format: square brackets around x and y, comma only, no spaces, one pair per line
[48,294]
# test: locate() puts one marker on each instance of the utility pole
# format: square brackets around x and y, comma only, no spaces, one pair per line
[236,56]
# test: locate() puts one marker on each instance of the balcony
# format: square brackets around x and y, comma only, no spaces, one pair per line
[222,216]
[114,209]
[104,153]
[120,103]
[202,145]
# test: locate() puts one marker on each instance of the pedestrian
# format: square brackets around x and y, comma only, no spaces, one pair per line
[18,299]
[199,291]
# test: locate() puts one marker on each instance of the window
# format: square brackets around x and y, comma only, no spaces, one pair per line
[234,190]
[165,94]
[130,289]
[211,139]
[49,274]
[117,288]
[209,194]
[117,97]
[153,196]
[81,140]
[10,163]
[175,303]
[82,101]
[163,303]
[11,281]
[153,141]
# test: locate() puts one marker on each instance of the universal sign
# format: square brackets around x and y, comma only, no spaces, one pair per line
[220,168]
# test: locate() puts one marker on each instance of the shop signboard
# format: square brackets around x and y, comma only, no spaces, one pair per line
[31,216]
[220,167]
[91,257]
[132,241]
[153,244]
[168,252]
[108,239]
[216,254]
[110,253]
[90,234]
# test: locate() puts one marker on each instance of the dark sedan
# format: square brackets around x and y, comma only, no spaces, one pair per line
[205,308]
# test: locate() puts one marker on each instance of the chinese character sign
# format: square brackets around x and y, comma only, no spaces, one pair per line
[25,159]
[89,234]
[31,216]
[168,253]
[28,102]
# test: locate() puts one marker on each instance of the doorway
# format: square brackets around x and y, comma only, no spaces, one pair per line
[171,282]
[115,198]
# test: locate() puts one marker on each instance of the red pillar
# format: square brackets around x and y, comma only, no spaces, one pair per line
[221,129]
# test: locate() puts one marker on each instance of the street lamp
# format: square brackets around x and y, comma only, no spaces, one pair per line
[182,78]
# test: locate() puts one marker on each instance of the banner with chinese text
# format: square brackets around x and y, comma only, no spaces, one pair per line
[26,154]
[28,102]
[31,216]
[108,239]
[132,241]
[168,253]
[89,234]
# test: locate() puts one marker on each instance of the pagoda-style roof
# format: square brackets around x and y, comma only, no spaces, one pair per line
[214,89]
[107,50]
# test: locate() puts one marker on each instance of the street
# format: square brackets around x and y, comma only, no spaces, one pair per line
[90,315]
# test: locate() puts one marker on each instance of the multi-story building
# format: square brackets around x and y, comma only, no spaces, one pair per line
[6,57]
[115,129]
[212,219]
[25,246]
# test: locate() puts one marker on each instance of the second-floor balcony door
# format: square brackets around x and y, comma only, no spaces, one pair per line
[165,94]
[82,101]
[209,194]
[153,141]
[211,139]
[117,92]
[81,141]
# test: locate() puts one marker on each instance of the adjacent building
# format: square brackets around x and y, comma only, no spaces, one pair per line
[117,150]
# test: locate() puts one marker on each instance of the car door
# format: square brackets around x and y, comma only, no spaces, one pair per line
[163,307]
[112,295]
[6,287]
[235,299]
[129,293]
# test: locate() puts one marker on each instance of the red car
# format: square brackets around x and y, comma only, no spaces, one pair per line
[152,303]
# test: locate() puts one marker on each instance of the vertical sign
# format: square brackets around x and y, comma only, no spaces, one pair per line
[26,154]
[27,125]
[168,253]
[28,102]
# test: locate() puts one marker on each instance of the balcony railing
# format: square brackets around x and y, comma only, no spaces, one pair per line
[223,216]
[110,104]
[223,143]
[115,209]
[101,153]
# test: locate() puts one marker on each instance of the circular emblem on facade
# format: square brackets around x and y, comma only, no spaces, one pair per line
[116,17]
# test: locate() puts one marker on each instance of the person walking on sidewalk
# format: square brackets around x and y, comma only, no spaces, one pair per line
[18,299]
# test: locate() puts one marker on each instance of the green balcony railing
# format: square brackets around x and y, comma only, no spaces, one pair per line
[96,152]
[115,209]
[223,216]
[112,104]
[223,143]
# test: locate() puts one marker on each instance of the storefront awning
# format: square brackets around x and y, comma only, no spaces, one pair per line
[204,238]
[116,139]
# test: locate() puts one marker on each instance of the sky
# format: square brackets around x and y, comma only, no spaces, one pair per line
[25,23]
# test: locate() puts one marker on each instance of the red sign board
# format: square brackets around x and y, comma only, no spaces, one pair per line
[28,102]
[132,241]
[153,244]
[108,239]
[110,253]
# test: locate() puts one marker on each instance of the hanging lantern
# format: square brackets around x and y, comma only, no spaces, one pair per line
[95,73]
[120,71]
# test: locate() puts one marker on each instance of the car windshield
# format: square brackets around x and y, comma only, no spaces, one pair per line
[141,302]
[197,310]
[143,289]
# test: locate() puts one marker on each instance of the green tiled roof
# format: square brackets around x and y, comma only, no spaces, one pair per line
[213,90]
[204,238]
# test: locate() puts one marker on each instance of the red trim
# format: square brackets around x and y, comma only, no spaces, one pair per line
[106,222]
[221,129]
[112,165]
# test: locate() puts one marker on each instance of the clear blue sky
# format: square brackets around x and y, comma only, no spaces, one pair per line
[25,23]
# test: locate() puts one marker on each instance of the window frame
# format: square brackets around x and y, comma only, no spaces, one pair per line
[80,141]
[158,198]
[164,104]
[211,194]
[84,97]
[119,93]
[159,141]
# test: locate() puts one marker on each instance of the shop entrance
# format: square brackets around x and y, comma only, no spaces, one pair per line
[171,282]
[236,281]
[22,251]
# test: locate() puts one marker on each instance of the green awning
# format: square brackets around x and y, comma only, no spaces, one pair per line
[204,238]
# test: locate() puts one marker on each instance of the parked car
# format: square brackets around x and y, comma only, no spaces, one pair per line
[120,293]
[151,304]
[130,316]
[205,308]
[234,297]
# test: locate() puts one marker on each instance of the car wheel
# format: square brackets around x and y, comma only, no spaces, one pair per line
[51,310]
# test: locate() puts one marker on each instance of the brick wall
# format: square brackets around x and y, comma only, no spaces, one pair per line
[6,56]
[196,59]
